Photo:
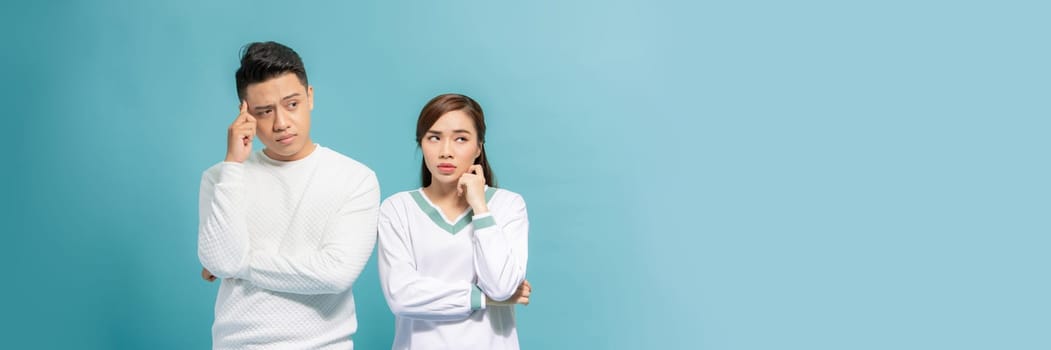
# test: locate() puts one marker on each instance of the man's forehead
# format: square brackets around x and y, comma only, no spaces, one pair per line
[275,89]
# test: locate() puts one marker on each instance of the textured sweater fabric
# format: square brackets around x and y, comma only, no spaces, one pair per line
[287,239]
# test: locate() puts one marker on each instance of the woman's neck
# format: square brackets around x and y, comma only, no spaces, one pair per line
[444,195]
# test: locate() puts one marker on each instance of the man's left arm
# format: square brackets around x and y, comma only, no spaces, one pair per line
[336,264]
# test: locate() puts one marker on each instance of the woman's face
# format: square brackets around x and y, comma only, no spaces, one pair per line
[450,147]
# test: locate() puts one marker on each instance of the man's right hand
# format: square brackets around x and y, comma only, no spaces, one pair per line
[207,275]
[239,136]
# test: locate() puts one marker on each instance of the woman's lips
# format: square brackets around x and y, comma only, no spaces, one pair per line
[446,168]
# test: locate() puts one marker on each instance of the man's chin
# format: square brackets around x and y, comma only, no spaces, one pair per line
[281,153]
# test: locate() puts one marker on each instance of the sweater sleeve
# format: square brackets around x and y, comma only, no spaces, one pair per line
[410,294]
[332,268]
[501,249]
[222,235]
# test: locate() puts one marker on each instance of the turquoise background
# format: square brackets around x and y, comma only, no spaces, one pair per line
[699,175]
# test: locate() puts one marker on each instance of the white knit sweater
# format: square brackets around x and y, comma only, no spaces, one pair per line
[435,272]
[288,239]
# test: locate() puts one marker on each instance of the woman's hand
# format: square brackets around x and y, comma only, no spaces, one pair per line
[472,186]
[521,296]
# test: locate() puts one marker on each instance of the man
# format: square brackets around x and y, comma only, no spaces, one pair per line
[287,229]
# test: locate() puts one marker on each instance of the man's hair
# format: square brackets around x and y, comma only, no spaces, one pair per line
[263,61]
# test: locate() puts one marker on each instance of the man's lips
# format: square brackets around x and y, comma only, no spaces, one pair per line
[287,139]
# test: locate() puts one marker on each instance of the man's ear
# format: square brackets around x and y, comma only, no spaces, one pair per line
[310,97]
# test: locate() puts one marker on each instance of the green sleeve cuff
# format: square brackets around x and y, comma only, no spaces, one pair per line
[476,298]
[484,222]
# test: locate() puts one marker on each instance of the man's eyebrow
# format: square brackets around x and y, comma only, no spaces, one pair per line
[269,106]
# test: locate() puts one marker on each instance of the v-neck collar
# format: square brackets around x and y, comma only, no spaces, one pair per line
[439,219]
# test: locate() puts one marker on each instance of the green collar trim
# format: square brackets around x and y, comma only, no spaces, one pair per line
[436,216]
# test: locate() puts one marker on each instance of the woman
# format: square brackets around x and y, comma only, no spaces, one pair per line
[452,254]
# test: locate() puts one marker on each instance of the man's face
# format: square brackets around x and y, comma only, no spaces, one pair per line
[281,107]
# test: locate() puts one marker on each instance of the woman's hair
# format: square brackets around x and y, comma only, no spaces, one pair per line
[434,110]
